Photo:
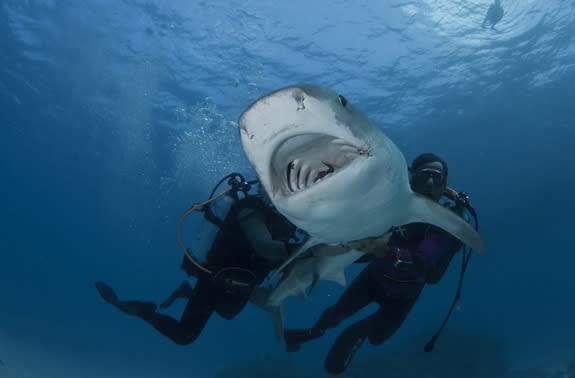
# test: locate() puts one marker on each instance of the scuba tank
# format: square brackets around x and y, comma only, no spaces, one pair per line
[214,217]
[215,210]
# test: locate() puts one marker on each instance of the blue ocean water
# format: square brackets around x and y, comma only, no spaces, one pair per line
[116,115]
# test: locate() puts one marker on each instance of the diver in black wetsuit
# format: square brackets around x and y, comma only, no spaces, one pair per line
[252,240]
[494,14]
[416,254]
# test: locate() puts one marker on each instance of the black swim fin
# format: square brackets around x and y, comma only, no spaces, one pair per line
[295,337]
[106,292]
[141,309]
[345,347]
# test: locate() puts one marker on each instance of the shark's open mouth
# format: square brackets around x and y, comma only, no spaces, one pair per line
[304,160]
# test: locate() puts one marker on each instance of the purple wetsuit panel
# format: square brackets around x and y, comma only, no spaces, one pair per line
[404,269]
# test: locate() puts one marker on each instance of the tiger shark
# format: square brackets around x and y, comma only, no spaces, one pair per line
[334,174]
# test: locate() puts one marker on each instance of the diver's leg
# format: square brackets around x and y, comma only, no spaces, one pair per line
[358,295]
[388,319]
[378,327]
[185,331]
[198,310]
[188,328]
[183,291]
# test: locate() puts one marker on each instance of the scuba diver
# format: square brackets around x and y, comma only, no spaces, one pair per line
[252,239]
[494,14]
[414,254]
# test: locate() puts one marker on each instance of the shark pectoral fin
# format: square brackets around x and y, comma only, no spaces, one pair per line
[260,296]
[278,320]
[338,277]
[421,209]
[309,243]
[329,250]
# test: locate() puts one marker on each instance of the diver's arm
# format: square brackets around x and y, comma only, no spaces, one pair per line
[254,227]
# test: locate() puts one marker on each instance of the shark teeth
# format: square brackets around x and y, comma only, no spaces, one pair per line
[312,167]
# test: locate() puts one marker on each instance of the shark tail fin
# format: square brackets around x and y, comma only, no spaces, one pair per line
[260,296]
[421,209]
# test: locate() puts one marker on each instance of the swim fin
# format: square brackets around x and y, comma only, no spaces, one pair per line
[345,347]
[106,292]
[295,337]
[141,309]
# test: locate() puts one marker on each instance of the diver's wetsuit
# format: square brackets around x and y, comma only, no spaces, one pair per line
[419,254]
[230,253]
[206,297]
[231,248]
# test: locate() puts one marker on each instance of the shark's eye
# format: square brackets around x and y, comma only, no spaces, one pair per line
[342,100]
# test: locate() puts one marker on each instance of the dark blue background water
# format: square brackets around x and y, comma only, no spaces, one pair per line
[117,115]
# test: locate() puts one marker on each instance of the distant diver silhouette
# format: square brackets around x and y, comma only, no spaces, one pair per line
[494,14]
